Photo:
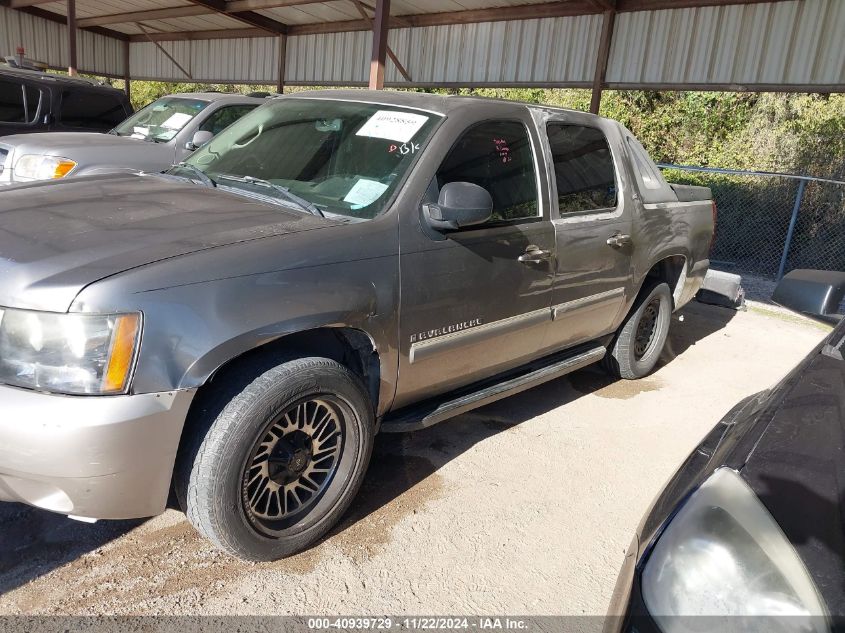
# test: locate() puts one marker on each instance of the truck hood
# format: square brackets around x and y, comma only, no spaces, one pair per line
[58,237]
[89,149]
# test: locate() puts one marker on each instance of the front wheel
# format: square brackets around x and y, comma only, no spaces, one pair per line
[639,342]
[282,461]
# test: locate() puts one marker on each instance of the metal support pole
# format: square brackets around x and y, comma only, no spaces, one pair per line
[283,55]
[71,37]
[380,27]
[126,73]
[601,59]
[793,220]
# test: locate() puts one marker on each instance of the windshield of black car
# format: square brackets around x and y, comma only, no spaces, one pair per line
[345,157]
[162,119]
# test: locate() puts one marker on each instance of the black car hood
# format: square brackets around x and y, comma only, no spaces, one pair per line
[797,468]
[56,238]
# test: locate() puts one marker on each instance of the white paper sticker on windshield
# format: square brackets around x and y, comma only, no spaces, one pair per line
[364,192]
[176,121]
[392,125]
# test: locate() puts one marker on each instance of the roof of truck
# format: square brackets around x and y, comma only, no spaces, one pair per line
[440,104]
[217,96]
[53,78]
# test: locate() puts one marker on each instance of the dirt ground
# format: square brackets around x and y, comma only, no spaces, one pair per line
[525,506]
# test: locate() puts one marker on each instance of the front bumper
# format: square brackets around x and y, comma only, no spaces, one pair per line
[99,457]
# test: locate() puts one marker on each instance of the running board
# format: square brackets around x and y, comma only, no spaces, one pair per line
[431,412]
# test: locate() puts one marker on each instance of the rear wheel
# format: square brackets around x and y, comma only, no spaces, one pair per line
[640,341]
[281,461]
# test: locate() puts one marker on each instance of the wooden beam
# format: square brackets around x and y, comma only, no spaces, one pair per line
[360,6]
[562,8]
[381,27]
[396,20]
[148,33]
[20,4]
[61,19]
[601,59]
[183,36]
[525,12]
[257,5]
[71,38]
[138,16]
[249,17]
[625,6]
[283,56]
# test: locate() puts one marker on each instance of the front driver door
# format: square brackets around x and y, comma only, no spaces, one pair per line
[470,308]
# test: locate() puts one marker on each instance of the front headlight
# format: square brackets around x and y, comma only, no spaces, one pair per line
[724,555]
[38,167]
[68,353]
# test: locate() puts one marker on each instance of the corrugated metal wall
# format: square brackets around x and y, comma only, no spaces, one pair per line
[780,43]
[553,50]
[239,60]
[559,50]
[46,42]
[798,42]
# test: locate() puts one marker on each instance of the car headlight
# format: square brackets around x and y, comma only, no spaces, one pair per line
[38,167]
[724,555]
[68,353]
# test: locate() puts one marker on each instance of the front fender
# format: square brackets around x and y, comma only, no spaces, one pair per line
[340,276]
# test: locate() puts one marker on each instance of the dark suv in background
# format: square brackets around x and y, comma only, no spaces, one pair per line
[32,101]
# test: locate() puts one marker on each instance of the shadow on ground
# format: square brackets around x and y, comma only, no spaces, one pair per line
[34,542]
[401,461]
[402,478]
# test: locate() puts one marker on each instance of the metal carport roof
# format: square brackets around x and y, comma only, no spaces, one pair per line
[789,45]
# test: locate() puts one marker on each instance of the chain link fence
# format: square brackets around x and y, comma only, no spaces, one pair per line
[769,224]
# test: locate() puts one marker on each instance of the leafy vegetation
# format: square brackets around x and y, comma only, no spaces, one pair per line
[791,133]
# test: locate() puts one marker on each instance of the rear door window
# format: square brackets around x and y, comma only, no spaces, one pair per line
[19,103]
[88,109]
[584,170]
[496,155]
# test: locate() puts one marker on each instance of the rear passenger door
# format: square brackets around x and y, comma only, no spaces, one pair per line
[592,233]
[473,304]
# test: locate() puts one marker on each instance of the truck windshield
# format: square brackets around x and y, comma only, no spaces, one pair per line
[342,157]
[161,120]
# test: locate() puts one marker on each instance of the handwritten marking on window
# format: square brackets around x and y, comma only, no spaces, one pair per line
[503,150]
[404,149]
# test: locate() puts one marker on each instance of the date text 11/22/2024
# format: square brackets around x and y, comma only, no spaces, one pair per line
[418,623]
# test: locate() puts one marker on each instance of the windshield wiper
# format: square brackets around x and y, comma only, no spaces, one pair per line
[284,192]
[199,173]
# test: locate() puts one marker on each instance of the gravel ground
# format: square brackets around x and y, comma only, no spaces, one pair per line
[525,506]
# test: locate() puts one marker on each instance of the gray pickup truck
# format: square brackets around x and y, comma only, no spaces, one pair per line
[334,264]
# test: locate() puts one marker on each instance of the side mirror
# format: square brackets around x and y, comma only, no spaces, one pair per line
[816,293]
[460,204]
[201,137]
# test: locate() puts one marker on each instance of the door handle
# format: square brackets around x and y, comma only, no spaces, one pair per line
[618,240]
[534,254]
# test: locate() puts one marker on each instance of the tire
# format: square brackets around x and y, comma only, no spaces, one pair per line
[640,340]
[283,457]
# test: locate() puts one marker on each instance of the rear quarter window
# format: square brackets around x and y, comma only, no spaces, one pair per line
[647,173]
[89,109]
